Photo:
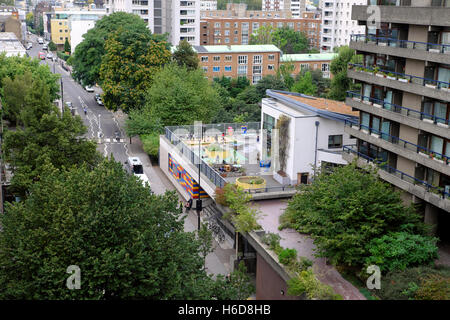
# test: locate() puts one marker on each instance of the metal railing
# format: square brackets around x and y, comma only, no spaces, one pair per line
[399,109]
[400,142]
[209,172]
[404,44]
[271,189]
[210,130]
[403,176]
[410,78]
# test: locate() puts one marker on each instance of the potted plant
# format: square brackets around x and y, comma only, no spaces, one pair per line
[391,76]
[430,85]
[402,79]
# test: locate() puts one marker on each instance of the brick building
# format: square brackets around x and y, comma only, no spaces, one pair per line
[251,61]
[310,61]
[237,31]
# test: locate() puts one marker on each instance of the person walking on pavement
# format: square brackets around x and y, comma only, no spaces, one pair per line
[85,110]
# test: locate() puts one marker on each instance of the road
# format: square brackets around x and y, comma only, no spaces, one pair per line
[101,123]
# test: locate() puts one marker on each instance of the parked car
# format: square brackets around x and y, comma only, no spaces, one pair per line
[41,55]
[45,47]
[50,55]
[40,40]
[29,45]
[99,100]
[89,89]
[135,167]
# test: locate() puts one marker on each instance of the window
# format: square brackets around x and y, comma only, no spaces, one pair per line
[205,69]
[227,24]
[270,67]
[257,69]
[227,32]
[216,58]
[242,59]
[204,58]
[257,59]
[304,66]
[227,68]
[335,141]
[271,57]
[216,69]
[217,25]
[242,70]
[228,58]
[227,40]
[256,79]
[325,67]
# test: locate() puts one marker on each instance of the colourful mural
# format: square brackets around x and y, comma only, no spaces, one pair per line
[185,179]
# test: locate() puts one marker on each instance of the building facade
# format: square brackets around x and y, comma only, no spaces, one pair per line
[239,10]
[237,31]
[405,102]
[337,23]
[253,62]
[179,18]
[309,61]
[208,5]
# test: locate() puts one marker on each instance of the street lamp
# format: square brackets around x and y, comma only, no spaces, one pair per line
[199,200]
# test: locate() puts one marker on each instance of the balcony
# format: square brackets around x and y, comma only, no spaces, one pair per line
[410,117]
[427,16]
[406,149]
[421,189]
[404,82]
[439,53]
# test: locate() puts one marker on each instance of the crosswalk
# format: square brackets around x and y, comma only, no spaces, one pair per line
[109,140]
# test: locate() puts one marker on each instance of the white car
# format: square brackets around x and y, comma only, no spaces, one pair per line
[49,55]
[29,45]
[135,166]
[89,89]
[40,41]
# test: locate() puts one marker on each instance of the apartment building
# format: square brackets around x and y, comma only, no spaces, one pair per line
[252,61]
[179,18]
[337,23]
[309,61]
[208,5]
[237,31]
[404,101]
[239,10]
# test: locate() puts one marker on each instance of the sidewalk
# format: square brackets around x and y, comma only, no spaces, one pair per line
[217,262]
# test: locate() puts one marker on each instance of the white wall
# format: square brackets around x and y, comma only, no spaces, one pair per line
[77,29]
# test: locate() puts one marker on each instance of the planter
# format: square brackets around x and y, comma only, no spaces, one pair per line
[434,50]
[389,77]
[423,154]
[443,125]
[356,99]
[382,44]
[365,131]
[380,75]
[438,160]
[403,80]
[283,180]
[427,120]
[251,182]
[377,105]
[432,86]
[367,102]
[376,135]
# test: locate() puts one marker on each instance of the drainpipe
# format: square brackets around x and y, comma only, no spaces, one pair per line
[315,151]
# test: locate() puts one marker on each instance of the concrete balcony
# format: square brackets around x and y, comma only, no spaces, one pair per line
[402,48]
[415,85]
[426,16]
[401,180]
[399,114]
[398,146]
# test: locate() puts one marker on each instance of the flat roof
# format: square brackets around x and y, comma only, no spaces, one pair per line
[308,57]
[257,48]
[10,44]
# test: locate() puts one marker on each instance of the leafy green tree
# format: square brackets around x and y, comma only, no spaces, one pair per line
[305,85]
[131,245]
[181,97]
[269,82]
[66,46]
[89,53]
[345,210]
[284,72]
[7,2]
[322,84]
[14,92]
[40,27]
[132,58]
[263,35]
[251,4]
[29,19]
[205,239]
[290,41]
[186,56]
[52,46]
[340,83]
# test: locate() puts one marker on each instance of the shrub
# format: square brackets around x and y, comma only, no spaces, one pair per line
[150,143]
[287,256]
[304,263]
[220,196]
[434,287]
[399,250]
[273,241]
[307,283]
[62,55]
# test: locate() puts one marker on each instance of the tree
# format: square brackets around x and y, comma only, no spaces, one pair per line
[29,19]
[67,46]
[269,82]
[181,97]
[340,83]
[285,71]
[263,35]
[131,245]
[52,46]
[40,27]
[290,41]
[88,54]
[322,84]
[46,137]
[345,210]
[205,239]
[14,91]
[186,56]
[131,60]
[7,2]
[305,85]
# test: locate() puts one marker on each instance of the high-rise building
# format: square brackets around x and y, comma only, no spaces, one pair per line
[337,23]
[295,6]
[404,101]
[208,5]
[179,18]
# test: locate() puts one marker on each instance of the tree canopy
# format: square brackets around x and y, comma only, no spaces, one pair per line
[286,39]
[129,246]
[305,85]
[185,56]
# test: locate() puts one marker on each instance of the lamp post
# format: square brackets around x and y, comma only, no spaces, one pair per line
[315,151]
[62,96]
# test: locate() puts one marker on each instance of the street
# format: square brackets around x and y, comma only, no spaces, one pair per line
[102,124]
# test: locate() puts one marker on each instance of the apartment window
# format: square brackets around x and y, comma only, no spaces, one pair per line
[271,57]
[205,69]
[216,69]
[242,70]
[227,40]
[280,24]
[257,59]
[257,69]
[255,26]
[227,24]
[290,25]
[335,141]
[216,58]
[217,25]
[227,32]
[236,39]
[325,67]
[242,59]
[228,58]
[304,66]
[204,58]
[270,67]
[227,68]
[256,79]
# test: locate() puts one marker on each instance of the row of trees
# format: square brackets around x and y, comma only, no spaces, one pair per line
[127,246]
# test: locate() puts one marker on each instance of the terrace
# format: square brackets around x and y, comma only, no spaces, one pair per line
[228,153]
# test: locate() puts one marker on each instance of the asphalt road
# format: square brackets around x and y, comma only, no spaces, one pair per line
[101,123]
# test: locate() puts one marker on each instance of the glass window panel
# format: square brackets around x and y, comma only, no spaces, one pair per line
[376,124]
[437,144]
[388,100]
[440,111]
[367,91]
[447,149]
[385,130]
[365,119]
[444,75]
[378,93]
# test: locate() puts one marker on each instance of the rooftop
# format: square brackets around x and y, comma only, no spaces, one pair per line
[308,57]
[258,48]
[10,44]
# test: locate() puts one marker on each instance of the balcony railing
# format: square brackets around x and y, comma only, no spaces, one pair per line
[404,44]
[403,176]
[400,142]
[398,109]
[435,84]
[389,2]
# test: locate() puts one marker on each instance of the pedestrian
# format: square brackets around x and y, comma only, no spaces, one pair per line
[85,110]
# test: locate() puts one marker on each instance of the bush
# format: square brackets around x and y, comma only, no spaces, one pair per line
[220,196]
[52,46]
[405,285]
[150,144]
[434,287]
[62,55]
[307,283]
[287,256]
[273,241]
[399,250]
